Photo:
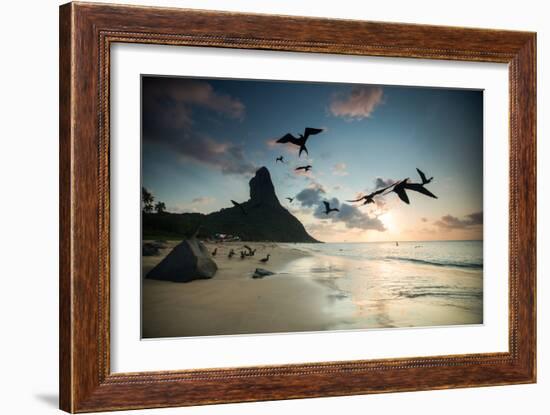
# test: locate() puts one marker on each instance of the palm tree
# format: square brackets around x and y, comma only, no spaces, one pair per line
[160,207]
[147,199]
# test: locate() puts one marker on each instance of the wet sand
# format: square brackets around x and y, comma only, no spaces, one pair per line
[310,291]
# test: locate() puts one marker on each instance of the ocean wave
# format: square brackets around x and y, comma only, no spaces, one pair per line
[471,265]
[447,294]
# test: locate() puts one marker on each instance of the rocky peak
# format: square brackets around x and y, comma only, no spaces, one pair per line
[262,189]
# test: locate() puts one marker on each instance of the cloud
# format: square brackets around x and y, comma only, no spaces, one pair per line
[168,106]
[350,216]
[358,104]
[171,100]
[340,169]
[311,196]
[202,200]
[381,182]
[452,222]
[289,148]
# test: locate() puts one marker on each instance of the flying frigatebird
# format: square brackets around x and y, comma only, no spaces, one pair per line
[423,176]
[401,187]
[241,207]
[370,197]
[304,168]
[328,209]
[301,140]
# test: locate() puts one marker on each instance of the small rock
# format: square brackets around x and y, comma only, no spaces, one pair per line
[260,273]
[149,249]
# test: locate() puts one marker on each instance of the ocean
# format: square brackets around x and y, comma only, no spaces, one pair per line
[382,285]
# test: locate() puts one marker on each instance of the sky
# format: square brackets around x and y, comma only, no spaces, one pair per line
[203,139]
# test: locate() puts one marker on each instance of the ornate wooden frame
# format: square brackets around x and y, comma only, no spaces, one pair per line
[86,33]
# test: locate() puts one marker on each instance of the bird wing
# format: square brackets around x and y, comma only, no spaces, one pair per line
[377,192]
[357,200]
[288,138]
[239,206]
[327,206]
[422,175]
[423,190]
[311,131]
[402,195]
[300,168]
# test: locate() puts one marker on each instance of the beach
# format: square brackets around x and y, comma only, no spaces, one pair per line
[318,287]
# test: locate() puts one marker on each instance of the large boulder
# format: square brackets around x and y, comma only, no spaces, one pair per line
[188,261]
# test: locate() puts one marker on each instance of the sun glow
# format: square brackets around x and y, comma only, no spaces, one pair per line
[388,221]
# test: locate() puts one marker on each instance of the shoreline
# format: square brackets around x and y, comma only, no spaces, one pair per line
[310,291]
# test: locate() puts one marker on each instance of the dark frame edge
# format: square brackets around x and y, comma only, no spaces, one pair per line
[66,398]
[84,387]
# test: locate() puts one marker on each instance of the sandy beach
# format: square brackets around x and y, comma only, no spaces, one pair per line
[233,302]
[310,291]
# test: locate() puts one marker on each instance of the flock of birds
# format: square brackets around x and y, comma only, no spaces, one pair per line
[400,187]
[248,252]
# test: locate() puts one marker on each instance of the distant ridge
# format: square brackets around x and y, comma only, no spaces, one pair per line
[266,218]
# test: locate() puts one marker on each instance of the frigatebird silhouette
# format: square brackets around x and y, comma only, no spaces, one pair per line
[280,158]
[401,187]
[304,168]
[370,197]
[251,251]
[423,176]
[301,140]
[328,209]
[237,204]
[419,187]
[290,199]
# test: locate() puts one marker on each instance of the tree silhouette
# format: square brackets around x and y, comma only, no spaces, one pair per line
[160,207]
[147,199]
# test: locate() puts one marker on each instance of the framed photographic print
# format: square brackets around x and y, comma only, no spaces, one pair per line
[261,207]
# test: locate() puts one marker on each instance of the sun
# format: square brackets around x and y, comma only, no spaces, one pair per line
[388,221]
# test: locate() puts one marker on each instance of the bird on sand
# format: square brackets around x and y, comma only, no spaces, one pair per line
[370,197]
[215,251]
[280,158]
[251,251]
[301,140]
[304,168]
[423,176]
[264,260]
[231,253]
[328,209]
[243,255]
[290,199]
[241,207]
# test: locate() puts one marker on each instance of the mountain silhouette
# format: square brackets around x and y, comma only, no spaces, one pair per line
[265,219]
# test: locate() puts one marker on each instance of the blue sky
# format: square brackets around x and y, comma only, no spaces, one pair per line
[204,138]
